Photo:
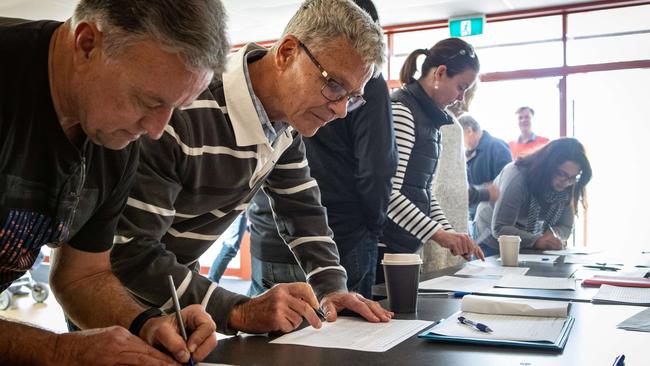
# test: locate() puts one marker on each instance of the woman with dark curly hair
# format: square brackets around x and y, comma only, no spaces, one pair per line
[539,197]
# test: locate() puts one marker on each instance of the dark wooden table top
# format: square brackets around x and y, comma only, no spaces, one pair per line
[594,340]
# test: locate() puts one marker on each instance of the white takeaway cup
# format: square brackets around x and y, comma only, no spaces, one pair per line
[509,248]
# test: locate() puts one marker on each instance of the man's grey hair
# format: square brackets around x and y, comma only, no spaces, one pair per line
[468,121]
[318,22]
[195,29]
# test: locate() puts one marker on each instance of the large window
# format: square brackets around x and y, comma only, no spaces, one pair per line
[520,44]
[609,35]
[612,120]
[495,104]
[606,110]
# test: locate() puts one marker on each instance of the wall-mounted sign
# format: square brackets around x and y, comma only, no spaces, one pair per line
[466,26]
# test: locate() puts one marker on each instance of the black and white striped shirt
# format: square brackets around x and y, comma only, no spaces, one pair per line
[400,208]
[213,157]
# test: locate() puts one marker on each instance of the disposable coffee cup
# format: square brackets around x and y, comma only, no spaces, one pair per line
[509,248]
[402,274]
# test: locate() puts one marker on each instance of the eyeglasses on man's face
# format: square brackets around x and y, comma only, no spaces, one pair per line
[332,90]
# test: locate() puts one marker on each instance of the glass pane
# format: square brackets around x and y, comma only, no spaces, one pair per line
[608,49]
[616,139]
[591,23]
[609,35]
[384,69]
[519,31]
[520,57]
[407,42]
[510,45]
[396,65]
[495,104]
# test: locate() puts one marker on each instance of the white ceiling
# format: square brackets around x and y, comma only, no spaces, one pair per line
[260,20]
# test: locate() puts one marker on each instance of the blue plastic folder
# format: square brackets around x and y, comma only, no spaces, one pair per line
[559,343]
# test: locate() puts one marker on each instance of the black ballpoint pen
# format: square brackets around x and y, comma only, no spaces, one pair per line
[319,311]
[177,310]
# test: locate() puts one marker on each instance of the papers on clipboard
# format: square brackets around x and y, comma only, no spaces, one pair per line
[507,330]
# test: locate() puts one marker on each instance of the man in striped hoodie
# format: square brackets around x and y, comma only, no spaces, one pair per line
[243,134]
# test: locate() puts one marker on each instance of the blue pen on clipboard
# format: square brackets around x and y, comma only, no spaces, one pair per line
[619,361]
[177,309]
[457,294]
[478,326]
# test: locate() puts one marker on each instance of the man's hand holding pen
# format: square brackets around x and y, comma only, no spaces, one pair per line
[163,332]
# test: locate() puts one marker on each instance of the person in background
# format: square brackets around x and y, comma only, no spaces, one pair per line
[528,141]
[73,98]
[230,244]
[243,135]
[353,160]
[539,198]
[486,156]
[449,68]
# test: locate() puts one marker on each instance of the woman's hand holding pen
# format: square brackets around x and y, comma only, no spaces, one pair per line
[163,332]
[458,243]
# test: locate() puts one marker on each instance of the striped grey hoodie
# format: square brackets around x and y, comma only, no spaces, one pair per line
[191,184]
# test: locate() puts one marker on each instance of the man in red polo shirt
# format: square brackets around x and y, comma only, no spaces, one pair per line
[527,141]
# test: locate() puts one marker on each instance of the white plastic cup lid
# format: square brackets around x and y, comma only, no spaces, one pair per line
[401,259]
[509,238]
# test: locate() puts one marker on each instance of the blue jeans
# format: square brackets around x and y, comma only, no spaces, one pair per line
[273,272]
[359,264]
[488,251]
[230,246]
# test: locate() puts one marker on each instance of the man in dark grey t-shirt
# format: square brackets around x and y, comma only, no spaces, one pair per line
[73,95]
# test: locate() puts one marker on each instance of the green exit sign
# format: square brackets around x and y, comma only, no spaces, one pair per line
[466,26]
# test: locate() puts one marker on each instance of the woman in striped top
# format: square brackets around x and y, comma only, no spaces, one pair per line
[448,70]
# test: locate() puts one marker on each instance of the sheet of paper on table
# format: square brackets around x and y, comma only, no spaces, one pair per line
[638,322]
[479,270]
[534,282]
[355,334]
[451,283]
[538,258]
[574,250]
[622,295]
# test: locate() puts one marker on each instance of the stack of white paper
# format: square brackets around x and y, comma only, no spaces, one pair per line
[474,270]
[355,334]
[514,306]
[622,295]
[451,283]
[534,282]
